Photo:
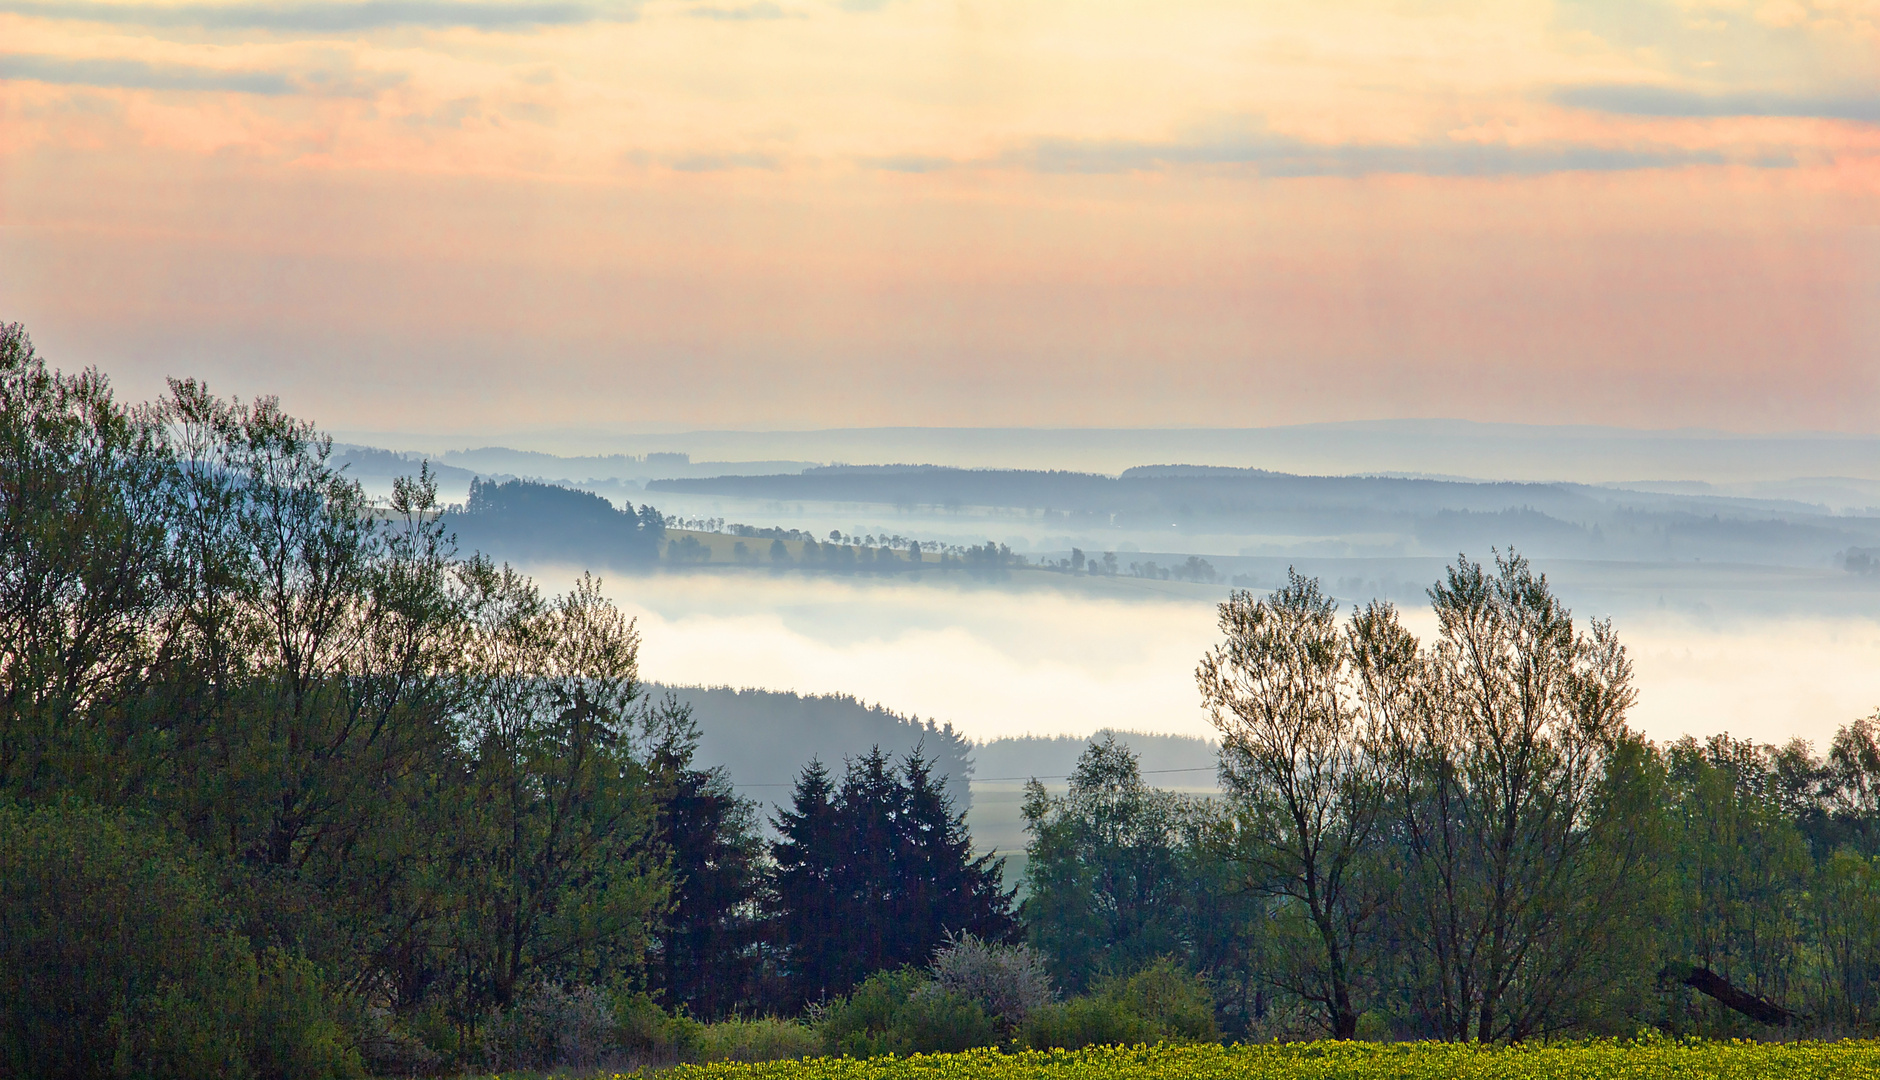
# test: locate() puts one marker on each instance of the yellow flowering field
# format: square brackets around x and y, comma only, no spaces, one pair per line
[1618,1060]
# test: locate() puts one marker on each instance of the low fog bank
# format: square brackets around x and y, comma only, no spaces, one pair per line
[1054,659]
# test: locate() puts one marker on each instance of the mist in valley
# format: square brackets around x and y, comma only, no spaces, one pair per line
[1739,575]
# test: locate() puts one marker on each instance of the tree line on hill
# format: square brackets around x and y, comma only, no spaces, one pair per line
[1396,515]
[539,523]
[289,787]
[534,522]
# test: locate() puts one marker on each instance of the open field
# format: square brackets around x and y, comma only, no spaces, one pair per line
[1601,1060]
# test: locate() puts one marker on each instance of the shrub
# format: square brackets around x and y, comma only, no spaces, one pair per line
[650,1032]
[1084,1021]
[901,1012]
[551,1026]
[1175,1003]
[1159,1003]
[935,1020]
[1008,981]
[115,960]
[762,1039]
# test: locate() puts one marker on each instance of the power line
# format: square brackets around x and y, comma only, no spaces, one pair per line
[1142,772]
[1009,779]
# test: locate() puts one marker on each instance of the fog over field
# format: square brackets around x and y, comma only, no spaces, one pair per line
[1736,569]
[1056,658]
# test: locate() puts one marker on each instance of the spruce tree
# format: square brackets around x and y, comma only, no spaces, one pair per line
[947,891]
[704,957]
[805,927]
[876,874]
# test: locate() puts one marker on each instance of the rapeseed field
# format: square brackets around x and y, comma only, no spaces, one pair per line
[1648,1059]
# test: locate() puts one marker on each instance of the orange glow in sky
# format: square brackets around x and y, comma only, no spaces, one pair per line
[424,215]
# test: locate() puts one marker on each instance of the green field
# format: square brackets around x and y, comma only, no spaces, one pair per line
[1343,1061]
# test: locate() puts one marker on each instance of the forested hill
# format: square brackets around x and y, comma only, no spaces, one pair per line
[763,738]
[1161,490]
[1406,514]
[532,522]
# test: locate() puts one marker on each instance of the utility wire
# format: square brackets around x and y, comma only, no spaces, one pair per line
[1008,779]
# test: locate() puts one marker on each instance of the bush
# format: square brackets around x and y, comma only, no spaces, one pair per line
[1084,1021]
[1008,981]
[1159,1003]
[1174,1002]
[648,1031]
[763,1039]
[938,1021]
[115,960]
[552,1026]
[902,1012]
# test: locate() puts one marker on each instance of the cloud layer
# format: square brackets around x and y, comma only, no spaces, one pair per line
[1674,102]
[1279,156]
[330,17]
[138,74]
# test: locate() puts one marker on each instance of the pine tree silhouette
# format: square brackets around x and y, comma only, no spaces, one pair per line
[875,875]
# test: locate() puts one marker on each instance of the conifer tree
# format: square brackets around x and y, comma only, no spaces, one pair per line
[875,875]
[704,957]
[804,906]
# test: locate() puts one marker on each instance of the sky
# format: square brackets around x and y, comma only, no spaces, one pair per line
[418,215]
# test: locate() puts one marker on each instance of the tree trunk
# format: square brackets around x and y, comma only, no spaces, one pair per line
[1708,982]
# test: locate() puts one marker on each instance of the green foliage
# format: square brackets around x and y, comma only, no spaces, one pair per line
[704,957]
[84,555]
[559,811]
[645,1028]
[1105,874]
[1739,867]
[1084,1021]
[1175,1003]
[902,1012]
[391,768]
[1845,901]
[764,1038]
[1298,755]
[116,959]
[875,873]
[1161,1003]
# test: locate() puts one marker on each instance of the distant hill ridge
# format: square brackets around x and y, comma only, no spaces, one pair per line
[763,738]
[1399,516]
